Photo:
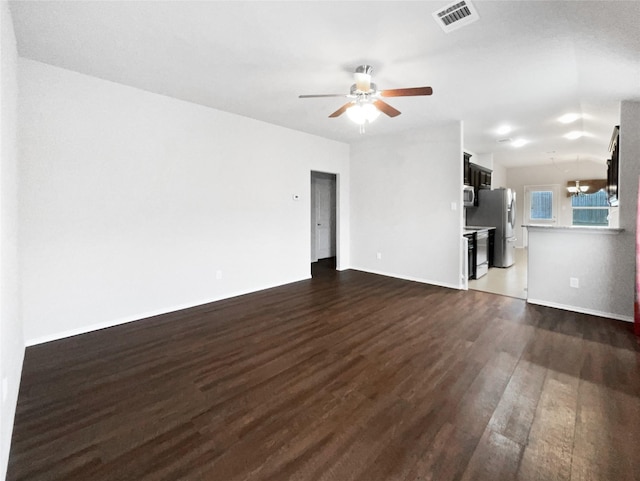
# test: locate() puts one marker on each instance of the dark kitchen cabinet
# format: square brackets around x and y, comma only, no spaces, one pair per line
[465,168]
[612,168]
[471,254]
[475,180]
[492,243]
[475,175]
[484,176]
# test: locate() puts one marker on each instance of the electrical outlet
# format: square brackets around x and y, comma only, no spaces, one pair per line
[379,255]
[574,282]
[218,275]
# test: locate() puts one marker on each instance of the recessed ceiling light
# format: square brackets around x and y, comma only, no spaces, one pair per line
[568,118]
[574,134]
[503,130]
[519,142]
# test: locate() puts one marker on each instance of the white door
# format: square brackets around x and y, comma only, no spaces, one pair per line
[324,215]
[540,205]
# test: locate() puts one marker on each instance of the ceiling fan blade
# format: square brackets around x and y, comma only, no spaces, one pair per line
[407,92]
[321,95]
[341,110]
[386,108]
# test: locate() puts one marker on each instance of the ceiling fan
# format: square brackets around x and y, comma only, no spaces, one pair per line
[366,103]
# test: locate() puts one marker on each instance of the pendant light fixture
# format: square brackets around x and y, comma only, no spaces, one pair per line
[578,189]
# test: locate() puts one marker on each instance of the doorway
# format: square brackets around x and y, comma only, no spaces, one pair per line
[510,281]
[540,206]
[507,273]
[323,221]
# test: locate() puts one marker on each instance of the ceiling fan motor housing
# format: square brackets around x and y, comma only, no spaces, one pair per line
[366,69]
[357,91]
[362,76]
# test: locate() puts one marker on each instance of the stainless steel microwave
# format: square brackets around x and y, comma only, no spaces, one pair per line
[468,196]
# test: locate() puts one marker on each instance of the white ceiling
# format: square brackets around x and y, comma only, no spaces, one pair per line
[524,63]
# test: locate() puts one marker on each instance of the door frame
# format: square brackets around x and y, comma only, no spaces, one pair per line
[526,207]
[312,217]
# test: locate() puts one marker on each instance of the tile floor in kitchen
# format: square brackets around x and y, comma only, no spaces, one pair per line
[511,281]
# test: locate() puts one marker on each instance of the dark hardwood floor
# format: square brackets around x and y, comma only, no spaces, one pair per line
[347,376]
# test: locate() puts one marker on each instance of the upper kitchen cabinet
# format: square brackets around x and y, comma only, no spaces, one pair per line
[465,168]
[482,176]
[612,168]
[475,175]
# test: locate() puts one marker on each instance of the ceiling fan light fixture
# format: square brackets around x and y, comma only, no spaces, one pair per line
[366,103]
[361,112]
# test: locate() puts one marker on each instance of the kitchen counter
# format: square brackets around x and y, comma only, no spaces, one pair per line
[574,228]
[469,229]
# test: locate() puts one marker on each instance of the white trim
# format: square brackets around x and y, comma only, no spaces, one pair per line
[145,315]
[409,278]
[581,310]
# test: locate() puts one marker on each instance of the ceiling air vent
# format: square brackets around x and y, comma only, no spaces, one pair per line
[456,15]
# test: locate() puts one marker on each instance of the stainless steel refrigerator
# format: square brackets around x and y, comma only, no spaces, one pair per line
[497,208]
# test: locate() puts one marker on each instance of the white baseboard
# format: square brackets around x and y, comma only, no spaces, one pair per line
[581,310]
[409,278]
[144,315]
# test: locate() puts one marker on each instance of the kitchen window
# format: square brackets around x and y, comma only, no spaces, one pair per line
[590,209]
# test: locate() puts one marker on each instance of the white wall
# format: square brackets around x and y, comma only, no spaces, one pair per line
[132,202]
[629,167]
[596,259]
[628,196]
[499,178]
[604,263]
[11,336]
[402,188]
[560,174]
